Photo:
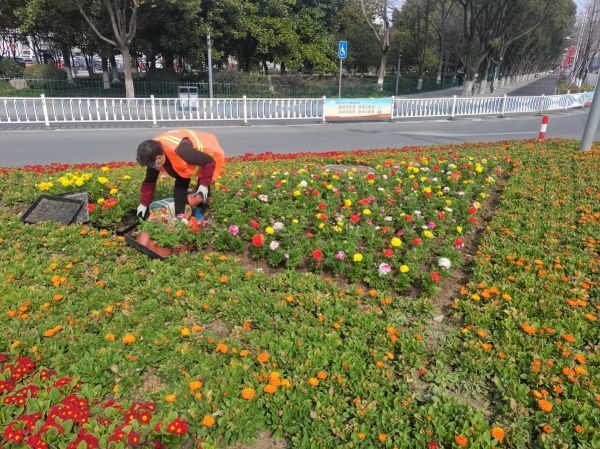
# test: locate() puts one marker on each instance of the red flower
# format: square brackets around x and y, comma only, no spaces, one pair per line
[388,252]
[254,224]
[435,277]
[458,243]
[371,176]
[472,210]
[417,241]
[317,255]
[441,215]
[178,427]
[258,240]
[110,202]
[133,438]
[322,206]
[433,445]
[309,235]
[355,218]
[91,207]
[408,218]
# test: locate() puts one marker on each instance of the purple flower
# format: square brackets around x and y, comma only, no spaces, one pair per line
[340,255]
[234,230]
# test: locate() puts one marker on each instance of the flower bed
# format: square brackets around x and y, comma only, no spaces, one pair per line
[312,306]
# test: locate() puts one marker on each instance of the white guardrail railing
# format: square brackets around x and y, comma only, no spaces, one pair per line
[50,110]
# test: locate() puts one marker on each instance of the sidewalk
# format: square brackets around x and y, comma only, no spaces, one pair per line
[498,92]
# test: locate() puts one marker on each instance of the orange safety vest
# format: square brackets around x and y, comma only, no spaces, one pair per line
[204,142]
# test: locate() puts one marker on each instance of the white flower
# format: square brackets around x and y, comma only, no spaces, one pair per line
[388,218]
[461,193]
[443,262]
[417,213]
[263,198]
[302,184]
[381,189]
[446,189]
[274,245]
[278,226]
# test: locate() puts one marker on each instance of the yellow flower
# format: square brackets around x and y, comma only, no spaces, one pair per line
[269,230]
[170,398]
[297,193]
[366,212]
[113,191]
[104,169]
[295,221]
[102,180]
[396,242]
[100,201]
[427,189]
[428,234]
[347,203]
[358,257]
[79,182]
[459,229]
[404,269]
[126,177]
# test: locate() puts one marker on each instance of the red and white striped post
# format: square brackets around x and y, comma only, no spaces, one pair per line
[542,134]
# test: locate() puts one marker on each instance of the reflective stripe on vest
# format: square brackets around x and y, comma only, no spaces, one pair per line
[182,168]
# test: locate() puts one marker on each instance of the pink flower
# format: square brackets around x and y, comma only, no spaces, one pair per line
[274,245]
[340,255]
[384,269]
[431,225]
[234,230]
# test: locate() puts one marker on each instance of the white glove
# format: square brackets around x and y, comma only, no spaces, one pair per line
[141,211]
[203,190]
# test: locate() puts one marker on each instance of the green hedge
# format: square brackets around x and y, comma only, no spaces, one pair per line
[9,68]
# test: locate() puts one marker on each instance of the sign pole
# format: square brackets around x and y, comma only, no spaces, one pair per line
[340,84]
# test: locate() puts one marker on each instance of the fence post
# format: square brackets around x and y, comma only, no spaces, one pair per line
[245,110]
[153,110]
[542,104]
[324,98]
[393,108]
[45,109]
[503,107]
[453,107]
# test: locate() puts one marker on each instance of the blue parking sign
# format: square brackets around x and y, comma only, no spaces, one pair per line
[343,49]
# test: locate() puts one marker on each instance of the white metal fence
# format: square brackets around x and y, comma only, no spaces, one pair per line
[154,110]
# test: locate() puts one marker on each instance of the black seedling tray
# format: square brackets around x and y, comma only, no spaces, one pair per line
[131,241]
[53,208]
[80,195]
[128,223]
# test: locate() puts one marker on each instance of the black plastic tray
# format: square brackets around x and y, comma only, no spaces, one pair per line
[70,210]
[131,241]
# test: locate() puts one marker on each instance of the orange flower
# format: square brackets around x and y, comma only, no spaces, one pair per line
[244,353]
[528,329]
[579,429]
[110,337]
[361,436]
[180,293]
[545,405]
[270,389]
[382,437]
[313,382]
[170,398]
[129,339]
[248,393]
[580,358]
[263,357]
[569,338]
[185,332]
[498,433]
[322,375]
[208,421]
[461,440]
[222,348]
[195,385]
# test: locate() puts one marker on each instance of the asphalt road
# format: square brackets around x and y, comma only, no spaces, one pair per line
[38,146]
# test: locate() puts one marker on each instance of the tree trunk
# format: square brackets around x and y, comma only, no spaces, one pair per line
[282,68]
[169,61]
[266,71]
[129,89]
[114,70]
[468,88]
[382,67]
[105,76]
[89,65]
[66,53]
[486,72]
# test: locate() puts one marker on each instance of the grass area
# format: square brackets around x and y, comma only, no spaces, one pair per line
[6,90]
[450,299]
